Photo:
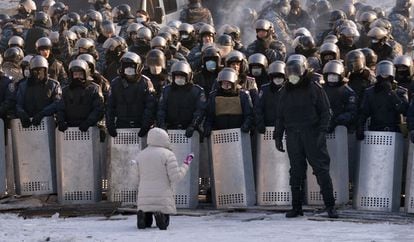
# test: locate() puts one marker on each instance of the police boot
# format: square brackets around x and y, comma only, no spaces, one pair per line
[141,220]
[296,203]
[148,220]
[332,213]
[162,220]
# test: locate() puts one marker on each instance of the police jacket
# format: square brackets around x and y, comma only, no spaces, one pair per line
[159,81]
[384,106]
[229,111]
[195,13]
[57,71]
[302,106]
[7,96]
[131,104]
[35,96]
[360,81]
[207,80]
[81,104]
[181,106]
[343,101]
[194,57]
[273,50]
[266,105]
[32,36]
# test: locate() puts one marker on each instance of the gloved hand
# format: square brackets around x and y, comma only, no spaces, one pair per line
[207,132]
[412,135]
[360,134]
[189,159]
[84,126]
[261,129]
[25,120]
[62,126]
[37,119]
[245,128]
[279,144]
[189,131]
[142,132]
[323,129]
[331,127]
[112,131]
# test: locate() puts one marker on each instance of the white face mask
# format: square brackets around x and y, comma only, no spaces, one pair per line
[155,70]
[256,71]
[26,73]
[333,78]
[129,71]
[374,41]
[92,24]
[294,79]
[179,80]
[278,80]
[184,36]
[211,65]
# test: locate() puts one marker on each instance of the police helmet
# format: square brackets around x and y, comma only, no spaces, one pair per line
[182,68]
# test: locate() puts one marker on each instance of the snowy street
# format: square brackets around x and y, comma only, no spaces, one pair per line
[219,227]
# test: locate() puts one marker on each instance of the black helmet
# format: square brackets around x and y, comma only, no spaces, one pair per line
[73,19]
[58,9]
[228,74]
[329,51]
[122,11]
[334,67]
[385,69]
[86,44]
[90,60]
[296,65]
[256,61]
[335,16]
[108,28]
[186,31]
[355,61]
[237,56]
[158,42]
[182,68]
[81,66]
[93,15]
[232,30]
[276,68]
[115,44]
[131,60]
[303,44]
[156,57]
[404,63]
[13,54]
[44,43]
[207,29]
[16,41]
[371,57]
[211,58]
[42,19]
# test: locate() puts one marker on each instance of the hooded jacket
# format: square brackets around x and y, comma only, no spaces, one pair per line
[158,173]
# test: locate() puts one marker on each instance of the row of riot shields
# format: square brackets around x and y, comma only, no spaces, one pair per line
[47,161]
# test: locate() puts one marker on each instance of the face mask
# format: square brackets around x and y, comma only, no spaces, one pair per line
[256,71]
[211,65]
[294,79]
[92,24]
[184,36]
[278,81]
[26,73]
[333,78]
[140,20]
[129,71]
[155,70]
[375,41]
[179,80]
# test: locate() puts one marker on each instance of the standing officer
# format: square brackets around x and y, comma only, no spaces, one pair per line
[131,102]
[304,114]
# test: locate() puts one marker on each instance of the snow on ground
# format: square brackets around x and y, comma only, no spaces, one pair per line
[220,227]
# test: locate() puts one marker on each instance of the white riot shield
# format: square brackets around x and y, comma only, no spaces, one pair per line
[232,168]
[205,168]
[78,168]
[272,172]
[409,184]
[2,160]
[186,190]
[34,156]
[123,169]
[378,178]
[10,182]
[337,144]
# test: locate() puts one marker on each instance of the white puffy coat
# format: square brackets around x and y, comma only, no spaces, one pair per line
[158,172]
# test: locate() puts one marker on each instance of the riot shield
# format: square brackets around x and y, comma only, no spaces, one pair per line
[409,184]
[34,157]
[232,168]
[123,170]
[186,190]
[2,160]
[337,144]
[378,178]
[272,172]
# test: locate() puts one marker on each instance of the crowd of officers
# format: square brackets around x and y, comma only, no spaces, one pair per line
[117,69]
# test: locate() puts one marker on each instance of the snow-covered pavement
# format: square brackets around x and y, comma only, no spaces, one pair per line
[234,227]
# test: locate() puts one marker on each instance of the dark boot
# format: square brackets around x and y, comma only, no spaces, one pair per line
[141,220]
[332,213]
[295,212]
[162,220]
[148,220]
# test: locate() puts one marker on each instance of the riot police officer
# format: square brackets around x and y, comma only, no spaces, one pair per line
[404,73]
[40,29]
[115,48]
[380,45]
[258,69]
[131,102]
[195,13]
[211,66]
[37,96]
[56,69]
[298,17]
[187,35]
[266,105]
[229,107]
[11,63]
[122,13]
[182,104]
[342,98]
[207,35]
[304,114]
[383,103]
[93,21]
[25,12]
[329,51]
[265,44]
[156,70]
[82,103]
[7,96]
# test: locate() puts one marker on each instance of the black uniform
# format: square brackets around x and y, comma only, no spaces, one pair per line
[266,106]
[159,81]
[181,106]
[131,104]
[81,105]
[304,113]
[7,96]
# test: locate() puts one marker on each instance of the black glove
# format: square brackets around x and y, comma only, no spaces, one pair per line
[189,131]
[245,128]
[62,126]
[142,132]
[279,144]
[207,132]
[84,126]
[112,131]
[331,127]
[261,129]
[360,134]
[412,135]
[25,120]
[37,119]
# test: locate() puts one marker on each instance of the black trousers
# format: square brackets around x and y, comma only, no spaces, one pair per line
[308,145]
